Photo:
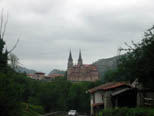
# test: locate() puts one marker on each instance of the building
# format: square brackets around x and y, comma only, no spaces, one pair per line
[81,72]
[120,94]
[112,95]
[42,76]
[31,76]
[37,75]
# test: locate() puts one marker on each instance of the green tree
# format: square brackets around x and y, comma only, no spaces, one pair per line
[3,52]
[137,62]
[3,55]
[10,96]
[14,61]
[10,90]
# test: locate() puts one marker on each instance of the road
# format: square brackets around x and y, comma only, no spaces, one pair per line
[59,114]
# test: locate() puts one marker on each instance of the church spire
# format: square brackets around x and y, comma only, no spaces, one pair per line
[80,58]
[70,56]
[70,61]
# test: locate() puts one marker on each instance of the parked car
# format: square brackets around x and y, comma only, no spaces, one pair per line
[72,113]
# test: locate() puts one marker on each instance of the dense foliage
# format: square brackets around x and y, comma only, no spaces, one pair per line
[59,95]
[128,112]
[31,110]
[136,63]
[10,94]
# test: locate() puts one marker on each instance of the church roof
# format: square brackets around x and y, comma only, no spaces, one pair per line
[87,66]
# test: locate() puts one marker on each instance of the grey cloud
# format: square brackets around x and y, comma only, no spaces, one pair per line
[49,29]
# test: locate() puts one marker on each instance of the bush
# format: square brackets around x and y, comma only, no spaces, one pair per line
[10,96]
[32,110]
[127,112]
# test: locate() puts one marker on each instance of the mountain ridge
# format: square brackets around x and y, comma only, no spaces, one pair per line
[21,69]
[57,71]
[106,64]
[102,65]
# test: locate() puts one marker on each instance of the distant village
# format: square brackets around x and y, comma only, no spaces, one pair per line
[42,76]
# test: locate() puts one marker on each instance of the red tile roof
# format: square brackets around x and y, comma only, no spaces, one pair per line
[89,66]
[108,86]
[40,73]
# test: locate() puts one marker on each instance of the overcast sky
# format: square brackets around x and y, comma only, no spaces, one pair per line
[48,29]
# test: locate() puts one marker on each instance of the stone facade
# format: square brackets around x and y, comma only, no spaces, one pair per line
[81,72]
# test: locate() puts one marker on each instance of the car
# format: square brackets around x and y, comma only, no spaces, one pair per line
[72,113]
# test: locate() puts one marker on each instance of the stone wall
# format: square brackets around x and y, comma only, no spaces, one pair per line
[83,73]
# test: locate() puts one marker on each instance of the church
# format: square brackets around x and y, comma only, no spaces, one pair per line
[80,71]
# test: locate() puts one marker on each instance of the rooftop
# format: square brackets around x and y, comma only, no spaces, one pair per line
[88,66]
[108,86]
[41,73]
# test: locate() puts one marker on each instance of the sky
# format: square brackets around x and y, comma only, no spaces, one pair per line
[48,29]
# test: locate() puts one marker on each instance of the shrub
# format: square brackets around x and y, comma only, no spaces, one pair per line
[32,110]
[127,112]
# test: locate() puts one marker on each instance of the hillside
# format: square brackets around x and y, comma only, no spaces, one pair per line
[23,69]
[104,65]
[57,71]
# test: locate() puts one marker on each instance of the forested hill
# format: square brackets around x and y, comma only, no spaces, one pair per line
[104,65]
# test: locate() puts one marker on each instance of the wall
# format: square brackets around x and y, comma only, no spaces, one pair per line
[82,73]
[98,97]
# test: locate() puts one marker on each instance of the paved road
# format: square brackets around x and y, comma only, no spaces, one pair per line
[59,114]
